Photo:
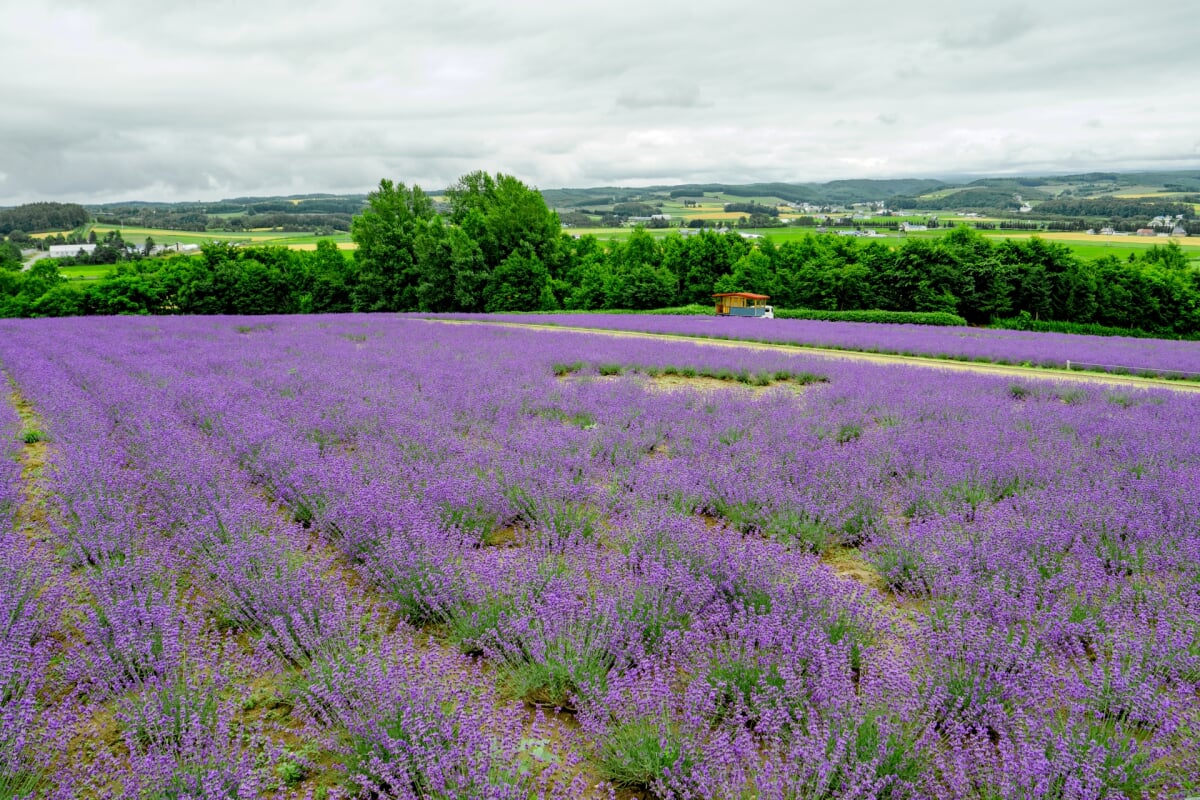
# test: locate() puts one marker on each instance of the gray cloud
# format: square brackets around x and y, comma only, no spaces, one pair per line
[1003,27]
[152,100]
[687,96]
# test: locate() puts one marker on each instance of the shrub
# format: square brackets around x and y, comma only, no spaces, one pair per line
[637,754]
[941,318]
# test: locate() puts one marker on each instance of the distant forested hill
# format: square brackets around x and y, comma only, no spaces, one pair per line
[40,217]
[834,192]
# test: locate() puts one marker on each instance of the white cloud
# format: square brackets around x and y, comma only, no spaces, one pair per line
[150,100]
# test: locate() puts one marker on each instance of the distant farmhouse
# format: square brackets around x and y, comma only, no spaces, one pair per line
[908,226]
[71,250]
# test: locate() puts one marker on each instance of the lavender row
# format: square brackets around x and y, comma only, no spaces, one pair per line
[29,604]
[649,555]
[140,523]
[1100,353]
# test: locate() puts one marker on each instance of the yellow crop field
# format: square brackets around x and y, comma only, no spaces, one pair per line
[704,214]
[313,246]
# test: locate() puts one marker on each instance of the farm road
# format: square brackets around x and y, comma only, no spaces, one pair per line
[929,362]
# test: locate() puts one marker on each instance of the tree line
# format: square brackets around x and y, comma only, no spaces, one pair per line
[497,247]
[1115,208]
[41,217]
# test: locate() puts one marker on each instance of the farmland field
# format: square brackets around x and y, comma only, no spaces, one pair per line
[87,272]
[1086,246]
[375,556]
[136,236]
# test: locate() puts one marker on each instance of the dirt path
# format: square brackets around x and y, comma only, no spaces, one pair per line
[929,362]
[32,515]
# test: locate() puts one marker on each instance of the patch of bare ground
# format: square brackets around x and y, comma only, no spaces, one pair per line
[698,383]
[849,563]
[31,516]
[669,383]
[507,536]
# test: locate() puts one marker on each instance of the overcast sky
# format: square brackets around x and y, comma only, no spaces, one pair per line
[165,100]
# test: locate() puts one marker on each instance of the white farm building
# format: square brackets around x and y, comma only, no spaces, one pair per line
[71,250]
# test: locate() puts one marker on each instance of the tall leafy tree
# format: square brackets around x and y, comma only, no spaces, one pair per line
[470,271]
[331,280]
[10,256]
[435,268]
[504,216]
[753,272]
[386,233]
[520,283]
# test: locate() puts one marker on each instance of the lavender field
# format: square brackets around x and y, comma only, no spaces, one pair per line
[370,556]
[1179,359]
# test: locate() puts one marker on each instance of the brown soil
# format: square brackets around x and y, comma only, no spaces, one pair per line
[32,515]
[702,384]
[849,563]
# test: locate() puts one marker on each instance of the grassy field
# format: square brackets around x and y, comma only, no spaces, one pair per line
[299,240]
[85,273]
[342,245]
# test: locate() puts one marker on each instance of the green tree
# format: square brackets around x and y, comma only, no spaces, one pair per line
[435,267]
[125,293]
[518,284]
[705,258]
[386,234]
[640,286]
[504,216]
[331,280]
[10,256]
[590,281]
[62,300]
[753,272]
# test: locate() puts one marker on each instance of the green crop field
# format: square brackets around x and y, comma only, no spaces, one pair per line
[135,235]
[88,272]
